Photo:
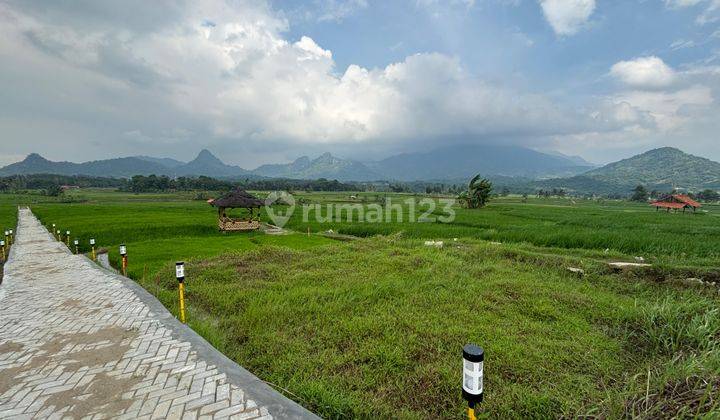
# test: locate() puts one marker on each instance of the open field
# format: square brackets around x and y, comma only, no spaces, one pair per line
[8,220]
[622,228]
[374,327]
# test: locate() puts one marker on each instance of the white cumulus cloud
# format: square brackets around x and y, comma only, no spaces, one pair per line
[644,72]
[567,17]
[227,76]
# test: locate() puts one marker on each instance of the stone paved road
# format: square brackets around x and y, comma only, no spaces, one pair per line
[77,341]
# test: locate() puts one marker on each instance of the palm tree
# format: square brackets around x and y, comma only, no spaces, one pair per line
[477,194]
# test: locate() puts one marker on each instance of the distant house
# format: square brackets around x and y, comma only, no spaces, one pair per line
[69,187]
[676,202]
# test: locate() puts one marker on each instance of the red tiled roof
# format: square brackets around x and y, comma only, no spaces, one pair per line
[668,205]
[687,200]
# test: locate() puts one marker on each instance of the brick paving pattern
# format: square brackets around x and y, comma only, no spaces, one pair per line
[77,342]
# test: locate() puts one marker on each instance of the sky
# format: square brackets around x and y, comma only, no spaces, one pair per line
[268,81]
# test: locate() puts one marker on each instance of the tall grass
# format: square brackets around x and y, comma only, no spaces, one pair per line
[372,328]
[675,327]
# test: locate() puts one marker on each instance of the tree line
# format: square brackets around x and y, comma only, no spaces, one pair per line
[640,193]
[154,183]
[49,182]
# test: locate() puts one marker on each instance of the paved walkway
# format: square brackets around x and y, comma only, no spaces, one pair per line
[78,341]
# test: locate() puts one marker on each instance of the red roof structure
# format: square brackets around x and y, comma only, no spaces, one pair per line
[687,200]
[676,202]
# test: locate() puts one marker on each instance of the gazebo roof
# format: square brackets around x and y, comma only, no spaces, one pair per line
[238,199]
[687,200]
[676,201]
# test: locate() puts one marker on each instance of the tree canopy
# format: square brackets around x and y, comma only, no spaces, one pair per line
[477,194]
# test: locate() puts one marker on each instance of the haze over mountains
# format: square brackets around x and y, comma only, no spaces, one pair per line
[446,163]
[662,168]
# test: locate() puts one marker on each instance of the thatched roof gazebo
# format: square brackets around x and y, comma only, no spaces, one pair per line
[238,199]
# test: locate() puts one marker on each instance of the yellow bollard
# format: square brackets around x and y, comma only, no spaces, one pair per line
[11,237]
[92,245]
[180,275]
[123,253]
[471,414]
[2,245]
[58,235]
[67,238]
[76,243]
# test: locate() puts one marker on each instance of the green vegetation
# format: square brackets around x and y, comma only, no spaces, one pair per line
[659,169]
[47,182]
[640,194]
[570,225]
[374,327]
[666,165]
[8,220]
[477,194]
[152,183]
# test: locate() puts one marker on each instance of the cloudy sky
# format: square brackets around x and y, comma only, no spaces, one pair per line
[267,81]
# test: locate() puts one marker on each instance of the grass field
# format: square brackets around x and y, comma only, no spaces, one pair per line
[374,327]
[8,220]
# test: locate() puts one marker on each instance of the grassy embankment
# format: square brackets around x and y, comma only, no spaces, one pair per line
[8,220]
[374,327]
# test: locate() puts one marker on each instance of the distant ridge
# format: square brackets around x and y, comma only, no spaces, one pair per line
[464,161]
[119,167]
[167,162]
[209,165]
[661,169]
[324,166]
[204,164]
[666,165]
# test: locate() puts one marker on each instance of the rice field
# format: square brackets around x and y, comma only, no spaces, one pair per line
[373,327]
[8,220]
[614,227]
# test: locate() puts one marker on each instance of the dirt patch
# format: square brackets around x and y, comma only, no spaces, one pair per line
[95,357]
[7,376]
[113,336]
[72,304]
[10,347]
[105,398]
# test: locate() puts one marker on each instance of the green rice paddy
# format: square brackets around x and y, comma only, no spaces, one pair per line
[373,328]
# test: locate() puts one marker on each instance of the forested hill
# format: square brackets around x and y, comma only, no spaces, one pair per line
[663,169]
[661,166]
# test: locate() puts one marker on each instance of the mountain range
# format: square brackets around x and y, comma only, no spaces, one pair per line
[204,164]
[450,162]
[660,169]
